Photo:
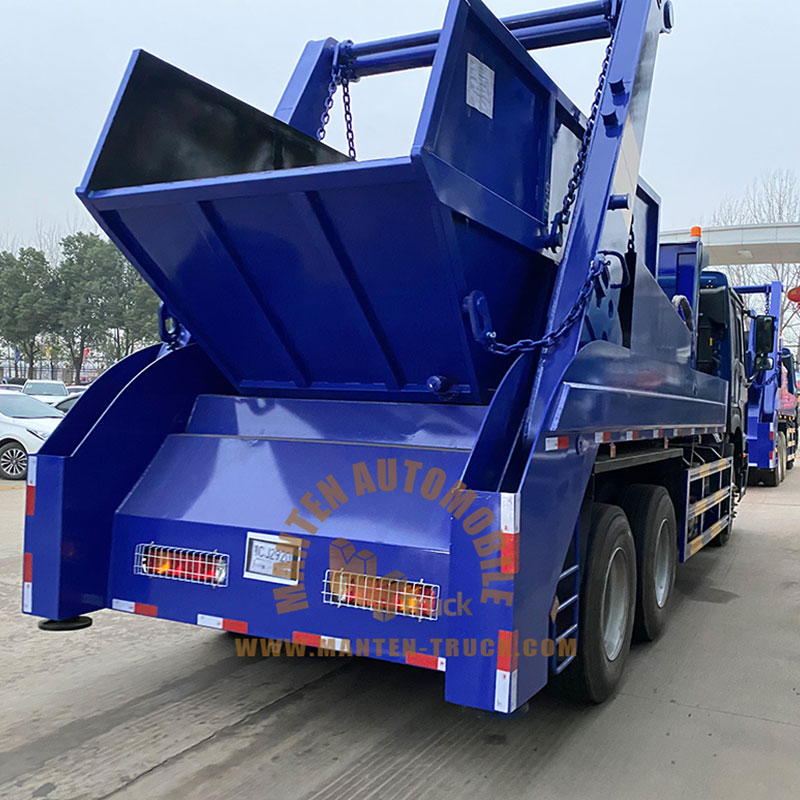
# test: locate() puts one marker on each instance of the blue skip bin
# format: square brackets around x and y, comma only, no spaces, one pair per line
[304,273]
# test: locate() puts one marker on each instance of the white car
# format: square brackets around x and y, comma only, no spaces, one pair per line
[46,391]
[24,424]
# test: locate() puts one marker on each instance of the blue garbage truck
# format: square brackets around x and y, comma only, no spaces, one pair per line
[772,402]
[454,409]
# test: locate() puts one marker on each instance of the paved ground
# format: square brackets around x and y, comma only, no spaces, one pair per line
[141,708]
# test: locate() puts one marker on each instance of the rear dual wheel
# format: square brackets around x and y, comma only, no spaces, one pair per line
[652,519]
[607,605]
[627,584]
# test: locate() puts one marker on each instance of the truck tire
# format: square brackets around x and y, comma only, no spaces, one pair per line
[652,519]
[771,477]
[607,607]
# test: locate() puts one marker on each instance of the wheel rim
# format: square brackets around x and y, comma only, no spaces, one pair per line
[14,461]
[616,603]
[663,564]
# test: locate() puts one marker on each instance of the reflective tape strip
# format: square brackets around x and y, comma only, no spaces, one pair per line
[309,639]
[509,553]
[505,691]
[27,567]
[505,684]
[335,643]
[606,437]
[145,609]
[509,512]
[509,532]
[552,443]
[27,597]
[30,487]
[426,661]
[771,435]
[320,641]
[507,650]
[222,624]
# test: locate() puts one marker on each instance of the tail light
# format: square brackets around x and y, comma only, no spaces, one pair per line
[192,566]
[392,595]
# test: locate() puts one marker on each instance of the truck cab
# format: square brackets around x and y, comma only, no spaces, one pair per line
[768,429]
[720,336]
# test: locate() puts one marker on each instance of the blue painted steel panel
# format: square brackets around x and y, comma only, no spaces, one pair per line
[268,479]
[447,427]
[607,386]
[80,486]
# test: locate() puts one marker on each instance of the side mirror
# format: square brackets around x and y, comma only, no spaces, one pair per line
[765,335]
[763,363]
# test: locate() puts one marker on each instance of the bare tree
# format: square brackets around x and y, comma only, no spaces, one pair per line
[9,243]
[774,198]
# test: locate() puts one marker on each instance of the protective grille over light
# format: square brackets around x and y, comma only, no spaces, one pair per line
[391,595]
[180,564]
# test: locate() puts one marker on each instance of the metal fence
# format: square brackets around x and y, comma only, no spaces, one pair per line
[46,370]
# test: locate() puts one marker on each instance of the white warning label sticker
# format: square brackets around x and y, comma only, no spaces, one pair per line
[480,86]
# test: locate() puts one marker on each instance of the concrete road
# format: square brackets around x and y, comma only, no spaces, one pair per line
[142,708]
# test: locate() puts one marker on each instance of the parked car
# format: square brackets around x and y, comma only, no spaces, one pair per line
[11,387]
[66,403]
[46,391]
[78,388]
[25,423]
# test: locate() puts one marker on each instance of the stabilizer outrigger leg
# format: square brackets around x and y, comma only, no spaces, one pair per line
[69,624]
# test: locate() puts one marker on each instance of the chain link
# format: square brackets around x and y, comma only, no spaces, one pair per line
[562,218]
[598,272]
[340,74]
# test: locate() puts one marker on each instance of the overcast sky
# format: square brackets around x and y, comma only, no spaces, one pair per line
[724,111]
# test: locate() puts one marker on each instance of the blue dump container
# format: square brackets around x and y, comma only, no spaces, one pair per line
[301,272]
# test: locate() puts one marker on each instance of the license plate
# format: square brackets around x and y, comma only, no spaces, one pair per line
[272,558]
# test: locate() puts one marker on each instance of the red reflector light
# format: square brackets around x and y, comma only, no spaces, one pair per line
[391,595]
[192,566]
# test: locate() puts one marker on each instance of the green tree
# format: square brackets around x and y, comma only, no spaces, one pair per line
[25,301]
[85,283]
[134,315]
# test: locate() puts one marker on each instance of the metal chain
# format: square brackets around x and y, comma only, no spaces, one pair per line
[326,114]
[340,74]
[598,272]
[348,118]
[562,218]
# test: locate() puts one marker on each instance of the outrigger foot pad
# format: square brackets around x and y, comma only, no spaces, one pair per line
[70,624]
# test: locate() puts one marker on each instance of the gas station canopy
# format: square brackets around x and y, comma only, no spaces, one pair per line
[746,244]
